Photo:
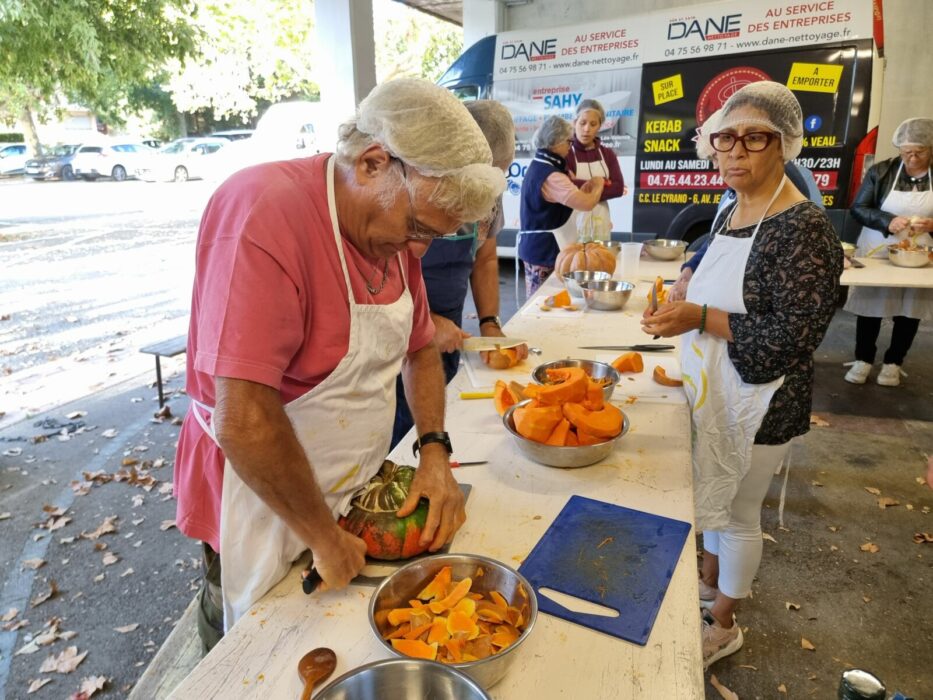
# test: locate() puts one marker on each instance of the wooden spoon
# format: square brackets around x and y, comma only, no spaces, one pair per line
[315,666]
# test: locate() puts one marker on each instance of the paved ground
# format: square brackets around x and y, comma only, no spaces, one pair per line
[856,608]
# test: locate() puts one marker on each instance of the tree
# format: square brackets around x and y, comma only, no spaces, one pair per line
[413,44]
[253,54]
[93,52]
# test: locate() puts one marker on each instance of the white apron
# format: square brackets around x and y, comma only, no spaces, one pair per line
[344,425]
[726,412]
[594,225]
[885,302]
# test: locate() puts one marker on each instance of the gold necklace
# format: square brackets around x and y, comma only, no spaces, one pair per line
[369,282]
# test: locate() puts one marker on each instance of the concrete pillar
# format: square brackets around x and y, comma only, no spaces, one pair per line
[482,18]
[346,57]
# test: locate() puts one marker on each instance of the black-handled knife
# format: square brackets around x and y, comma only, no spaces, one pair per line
[647,347]
[310,580]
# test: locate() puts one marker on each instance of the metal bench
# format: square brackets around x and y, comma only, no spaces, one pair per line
[165,348]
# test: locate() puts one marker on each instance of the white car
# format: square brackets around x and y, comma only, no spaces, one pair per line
[183,160]
[118,160]
[13,158]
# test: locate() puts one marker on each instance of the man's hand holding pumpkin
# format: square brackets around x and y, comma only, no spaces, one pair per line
[491,330]
[434,481]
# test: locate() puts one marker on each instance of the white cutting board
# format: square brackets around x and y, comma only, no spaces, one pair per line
[642,386]
[482,376]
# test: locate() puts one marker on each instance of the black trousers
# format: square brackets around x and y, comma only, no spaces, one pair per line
[867,329]
[210,600]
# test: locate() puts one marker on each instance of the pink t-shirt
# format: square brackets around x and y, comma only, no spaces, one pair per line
[558,187]
[270,305]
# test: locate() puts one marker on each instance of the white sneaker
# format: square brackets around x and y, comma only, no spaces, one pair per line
[719,641]
[890,375]
[858,372]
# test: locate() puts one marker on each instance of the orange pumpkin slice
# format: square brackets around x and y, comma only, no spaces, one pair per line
[400,615]
[505,635]
[438,633]
[453,647]
[561,299]
[415,648]
[503,358]
[454,597]
[605,423]
[416,632]
[502,397]
[629,362]
[438,586]
[558,436]
[537,423]
[660,376]
[461,626]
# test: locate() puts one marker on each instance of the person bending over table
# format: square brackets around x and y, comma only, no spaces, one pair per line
[894,205]
[308,300]
[548,199]
[467,258]
[750,330]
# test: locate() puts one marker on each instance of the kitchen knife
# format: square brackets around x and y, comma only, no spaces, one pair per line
[654,304]
[479,344]
[648,347]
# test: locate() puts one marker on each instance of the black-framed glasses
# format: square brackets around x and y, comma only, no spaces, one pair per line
[753,141]
[417,231]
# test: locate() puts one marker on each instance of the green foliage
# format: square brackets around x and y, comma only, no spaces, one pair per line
[412,44]
[253,54]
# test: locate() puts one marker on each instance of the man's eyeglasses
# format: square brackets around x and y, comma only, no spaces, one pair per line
[919,153]
[753,142]
[417,231]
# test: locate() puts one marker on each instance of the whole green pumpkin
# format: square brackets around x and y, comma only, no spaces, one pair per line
[372,515]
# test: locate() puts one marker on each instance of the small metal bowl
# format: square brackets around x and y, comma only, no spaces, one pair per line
[405,583]
[918,257]
[607,296]
[403,678]
[596,370]
[848,249]
[666,248]
[614,246]
[573,280]
[564,457]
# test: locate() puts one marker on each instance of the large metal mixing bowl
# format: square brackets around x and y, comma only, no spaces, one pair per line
[666,248]
[403,679]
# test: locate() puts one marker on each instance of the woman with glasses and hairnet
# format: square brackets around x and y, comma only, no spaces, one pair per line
[466,259]
[894,204]
[756,309]
[308,301]
[548,200]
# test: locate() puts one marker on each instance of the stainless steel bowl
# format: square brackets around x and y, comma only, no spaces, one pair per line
[565,457]
[573,280]
[614,246]
[403,679]
[919,257]
[848,249]
[596,370]
[666,248]
[608,295]
[403,585]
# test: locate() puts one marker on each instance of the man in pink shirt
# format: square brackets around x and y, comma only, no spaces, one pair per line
[308,300]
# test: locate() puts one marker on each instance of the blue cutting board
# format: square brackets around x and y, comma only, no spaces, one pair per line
[613,556]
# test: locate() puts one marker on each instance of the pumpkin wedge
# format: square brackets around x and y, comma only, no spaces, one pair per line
[438,586]
[503,358]
[502,397]
[606,423]
[537,423]
[629,362]
[558,436]
[660,376]
[415,648]
[454,597]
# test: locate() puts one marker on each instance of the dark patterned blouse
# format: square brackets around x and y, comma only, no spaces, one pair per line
[790,290]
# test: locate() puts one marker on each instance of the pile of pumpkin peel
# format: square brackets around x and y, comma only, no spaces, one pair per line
[451,623]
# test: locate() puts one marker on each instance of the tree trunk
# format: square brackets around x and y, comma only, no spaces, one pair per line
[28,122]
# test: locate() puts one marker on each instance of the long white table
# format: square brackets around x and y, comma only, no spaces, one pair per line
[511,504]
[880,272]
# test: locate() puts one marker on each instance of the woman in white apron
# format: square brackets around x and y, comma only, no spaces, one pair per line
[548,200]
[747,351]
[587,159]
[895,203]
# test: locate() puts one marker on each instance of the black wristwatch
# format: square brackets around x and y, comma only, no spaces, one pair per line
[426,439]
[491,319]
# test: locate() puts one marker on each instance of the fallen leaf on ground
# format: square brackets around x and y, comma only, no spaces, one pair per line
[138,500]
[28,648]
[75,414]
[866,598]
[42,597]
[754,668]
[13,626]
[5,516]
[104,528]
[37,683]
[887,501]
[109,433]
[9,614]
[766,536]
[127,572]
[816,483]
[792,606]
[873,491]
[66,662]
[818,422]
[782,689]
[870,547]
[159,462]
[57,523]
[166,488]
[89,686]
[13,452]
[166,525]
[724,692]
[98,578]
[110,558]
[806,644]
[129,462]
[923,537]
[126,628]
[833,528]
[33,564]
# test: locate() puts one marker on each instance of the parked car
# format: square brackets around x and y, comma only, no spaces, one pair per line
[13,158]
[233,134]
[56,163]
[153,143]
[118,160]
[182,160]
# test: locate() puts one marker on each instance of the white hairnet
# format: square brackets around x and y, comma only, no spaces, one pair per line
[593,105]
[781,112]
[429,129]
[705,148]
[554,130]
[495,121]
[914,132]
